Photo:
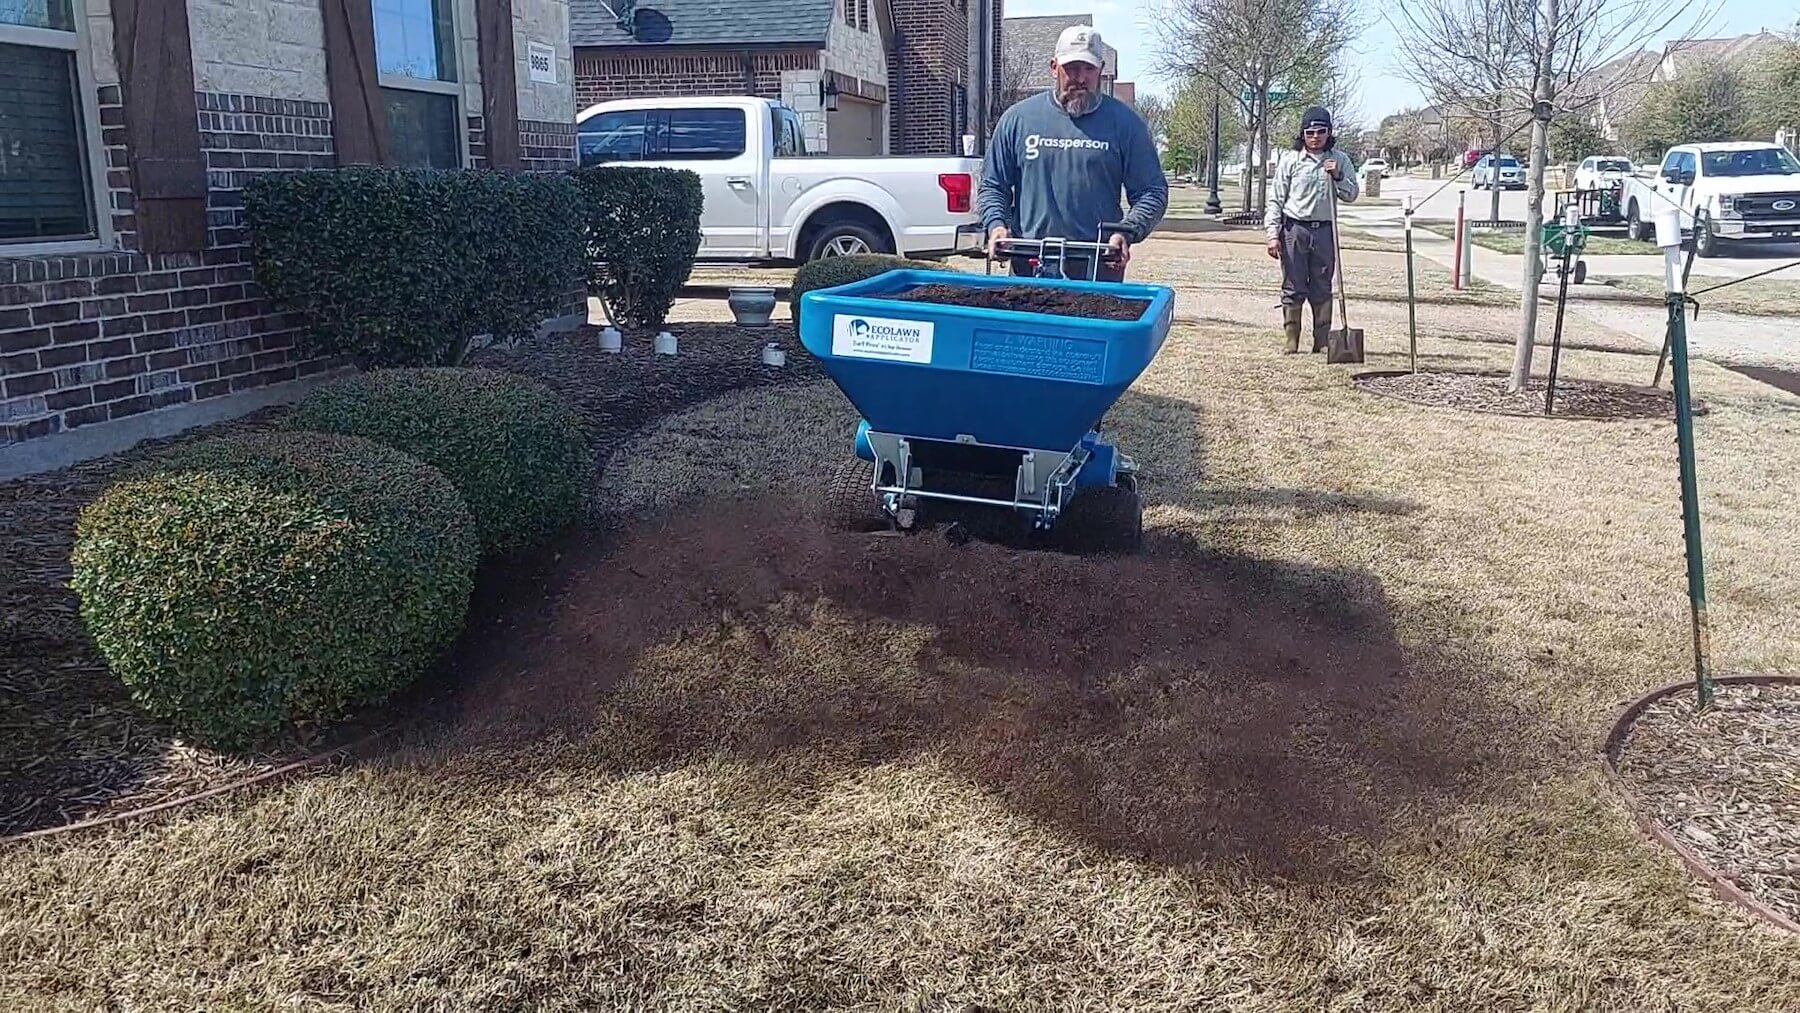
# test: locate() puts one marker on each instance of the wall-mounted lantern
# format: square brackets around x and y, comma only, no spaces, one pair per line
[828,93]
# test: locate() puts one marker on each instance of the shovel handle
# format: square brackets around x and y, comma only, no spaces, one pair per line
[1337,255]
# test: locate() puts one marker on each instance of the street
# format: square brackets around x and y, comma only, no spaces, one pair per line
[1437,202]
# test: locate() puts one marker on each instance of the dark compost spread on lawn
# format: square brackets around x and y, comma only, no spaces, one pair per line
[1029,299]
[77,748]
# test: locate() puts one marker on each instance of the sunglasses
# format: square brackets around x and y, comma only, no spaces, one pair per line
[1316,132]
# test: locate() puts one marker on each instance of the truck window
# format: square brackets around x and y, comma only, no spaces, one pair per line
[612,137]
[1754,162]
[703,134]
[784,127]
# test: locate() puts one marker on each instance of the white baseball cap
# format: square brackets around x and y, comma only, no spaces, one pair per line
[1080,44]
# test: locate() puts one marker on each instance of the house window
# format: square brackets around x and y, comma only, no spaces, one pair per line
[48,161]
[415,55]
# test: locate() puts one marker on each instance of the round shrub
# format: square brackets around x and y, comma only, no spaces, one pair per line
[248,585]
[517,453]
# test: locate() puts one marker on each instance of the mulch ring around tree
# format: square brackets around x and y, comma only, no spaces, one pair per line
[1029,299]
[73,747]
[1723,785]
[1592,400]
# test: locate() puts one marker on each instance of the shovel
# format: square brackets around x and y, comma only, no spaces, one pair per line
[1344,343]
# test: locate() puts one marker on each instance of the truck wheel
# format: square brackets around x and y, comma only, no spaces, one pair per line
[1706,241]
[1634,226]
[845,238]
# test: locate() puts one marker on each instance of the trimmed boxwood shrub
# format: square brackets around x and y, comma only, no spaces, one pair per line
[517,452]
[643,232]
[393,267]
[830,272]
[249,585]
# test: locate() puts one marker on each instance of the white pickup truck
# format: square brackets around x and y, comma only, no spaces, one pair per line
[1742,191]
[767,200]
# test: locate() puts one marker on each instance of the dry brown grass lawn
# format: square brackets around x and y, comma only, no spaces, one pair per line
[1329,745]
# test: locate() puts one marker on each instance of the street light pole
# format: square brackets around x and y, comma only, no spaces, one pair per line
[1213,206]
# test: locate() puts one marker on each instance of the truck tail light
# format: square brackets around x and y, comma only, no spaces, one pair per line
[959,191]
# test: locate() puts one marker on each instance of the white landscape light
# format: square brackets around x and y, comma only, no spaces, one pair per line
[610,340]
[665,343]
[1668,236]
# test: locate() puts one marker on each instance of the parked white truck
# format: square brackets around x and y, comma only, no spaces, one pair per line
[1740,191]
[767,200]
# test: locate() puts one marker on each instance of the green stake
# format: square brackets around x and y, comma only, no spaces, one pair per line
[1412,315]
[1668,235]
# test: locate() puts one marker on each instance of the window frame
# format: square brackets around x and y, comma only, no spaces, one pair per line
[80,42]
[658,140]
[453,87]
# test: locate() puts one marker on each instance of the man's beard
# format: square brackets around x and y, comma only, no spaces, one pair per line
[1079,101]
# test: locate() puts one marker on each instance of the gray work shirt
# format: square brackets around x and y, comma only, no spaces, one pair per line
[1297,188]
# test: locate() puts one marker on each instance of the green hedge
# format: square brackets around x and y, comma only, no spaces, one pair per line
[398,267]
[517,453]
[643,233]
[246,585]
[830,272]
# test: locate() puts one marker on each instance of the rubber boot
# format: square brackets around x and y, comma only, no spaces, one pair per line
[1290,321]
[1321,325]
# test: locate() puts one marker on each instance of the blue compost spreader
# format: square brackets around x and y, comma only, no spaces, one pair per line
[975,412]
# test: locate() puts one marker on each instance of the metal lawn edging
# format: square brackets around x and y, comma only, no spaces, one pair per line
[1721,885]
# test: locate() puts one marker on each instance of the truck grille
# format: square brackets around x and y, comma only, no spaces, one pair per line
[1764,205]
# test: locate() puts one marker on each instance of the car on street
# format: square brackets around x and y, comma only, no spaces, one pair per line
[767,199]
[1379,166]
[1734,191]
[1602,172]
[1499,172]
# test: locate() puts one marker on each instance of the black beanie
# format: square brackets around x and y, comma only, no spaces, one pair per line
[1315,116]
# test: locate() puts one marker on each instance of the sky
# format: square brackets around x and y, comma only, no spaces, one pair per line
[1125,25]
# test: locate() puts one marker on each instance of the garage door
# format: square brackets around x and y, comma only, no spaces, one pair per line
[854,128]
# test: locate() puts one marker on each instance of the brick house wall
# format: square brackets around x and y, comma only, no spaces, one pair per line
[928,60]
[110,333]
[602,74]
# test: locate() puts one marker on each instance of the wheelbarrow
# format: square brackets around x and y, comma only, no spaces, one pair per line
[973,414]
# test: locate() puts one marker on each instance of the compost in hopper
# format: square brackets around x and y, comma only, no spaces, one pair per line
[1029,299]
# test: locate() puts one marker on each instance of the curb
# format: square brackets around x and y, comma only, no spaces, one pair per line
[266,777]
[1722,887]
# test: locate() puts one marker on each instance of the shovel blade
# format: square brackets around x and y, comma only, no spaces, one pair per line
[1344,345]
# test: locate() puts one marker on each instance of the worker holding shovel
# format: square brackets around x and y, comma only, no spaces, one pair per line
[1301,221]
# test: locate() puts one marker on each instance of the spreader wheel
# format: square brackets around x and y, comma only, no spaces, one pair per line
[850,503]
[1106,520]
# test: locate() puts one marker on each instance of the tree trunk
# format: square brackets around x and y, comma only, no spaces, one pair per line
[1261,154]
[1534,212]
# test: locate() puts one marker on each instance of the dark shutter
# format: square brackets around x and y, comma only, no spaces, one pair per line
[358,115]
[499,83]
[162,129]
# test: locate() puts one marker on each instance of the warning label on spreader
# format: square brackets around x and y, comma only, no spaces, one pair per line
[881,338]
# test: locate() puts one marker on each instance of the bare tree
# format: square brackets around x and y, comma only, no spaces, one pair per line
[1513,62]
[1267,57]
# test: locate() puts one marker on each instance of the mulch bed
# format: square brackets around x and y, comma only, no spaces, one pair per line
[1726,783]
[72,744]
[1596,400]
[1030,299]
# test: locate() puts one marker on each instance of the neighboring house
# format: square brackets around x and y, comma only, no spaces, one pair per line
[827,59]
[1622,84]
[1029,45]
[128,129]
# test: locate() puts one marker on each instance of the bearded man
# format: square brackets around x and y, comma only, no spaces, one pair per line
[1057,162]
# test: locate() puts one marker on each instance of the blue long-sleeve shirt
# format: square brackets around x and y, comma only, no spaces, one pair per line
[1051,175]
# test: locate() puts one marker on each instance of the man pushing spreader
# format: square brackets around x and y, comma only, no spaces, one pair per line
[1301,217]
